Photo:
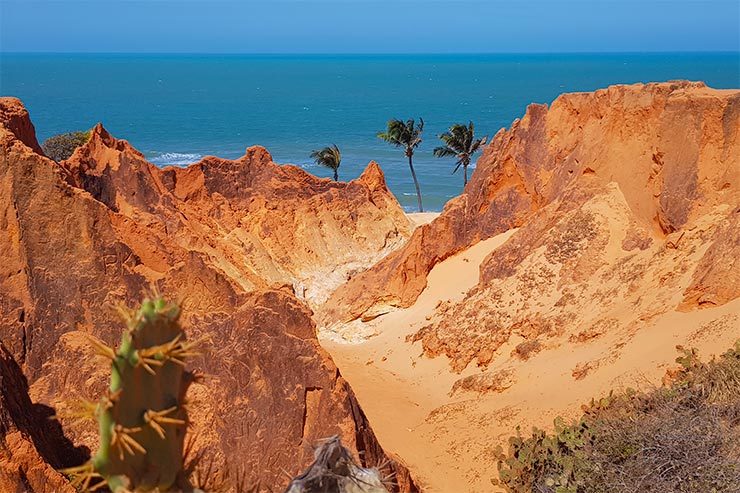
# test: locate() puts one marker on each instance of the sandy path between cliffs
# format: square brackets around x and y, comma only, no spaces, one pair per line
[449,442]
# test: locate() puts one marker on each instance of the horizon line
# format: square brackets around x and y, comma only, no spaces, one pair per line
[361,53]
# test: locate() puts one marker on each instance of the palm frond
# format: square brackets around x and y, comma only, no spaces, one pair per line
[329,157]
[403,134]
[444,152]
[460,141]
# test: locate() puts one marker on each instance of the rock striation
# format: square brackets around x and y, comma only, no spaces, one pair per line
[233,241]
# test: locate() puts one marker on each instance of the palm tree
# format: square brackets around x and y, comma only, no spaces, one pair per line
[407,135]
[329,157]
[460,142]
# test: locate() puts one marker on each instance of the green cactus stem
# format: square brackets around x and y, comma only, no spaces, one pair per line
[142,418]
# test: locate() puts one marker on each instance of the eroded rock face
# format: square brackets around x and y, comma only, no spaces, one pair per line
[640,219]
[261,223]
[31,444]
[567,278]
[671,148]
[106,226]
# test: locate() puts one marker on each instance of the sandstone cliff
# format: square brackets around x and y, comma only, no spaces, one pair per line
[230,240]
[638,184]
[671,148]
[31,444]
[260,223]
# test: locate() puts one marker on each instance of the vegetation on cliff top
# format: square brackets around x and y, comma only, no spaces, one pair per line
[683,437]
[61,147]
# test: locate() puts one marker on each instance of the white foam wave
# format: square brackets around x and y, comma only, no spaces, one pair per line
[175,158]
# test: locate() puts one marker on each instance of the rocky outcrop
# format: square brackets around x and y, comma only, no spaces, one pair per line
[639,195]
[671,148]
[14,117]
[30,442]
[261,223]
[228,239]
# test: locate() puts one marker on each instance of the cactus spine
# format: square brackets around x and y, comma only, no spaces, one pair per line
[142,418]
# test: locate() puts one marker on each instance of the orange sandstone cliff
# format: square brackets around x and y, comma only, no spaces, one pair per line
[670,148]
[638,218]
[243,245]
[595,235]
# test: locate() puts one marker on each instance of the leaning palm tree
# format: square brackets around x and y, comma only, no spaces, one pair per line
[460,142]
[407,135]
[329,157]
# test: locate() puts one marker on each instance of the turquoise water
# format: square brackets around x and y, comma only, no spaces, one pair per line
[177,108]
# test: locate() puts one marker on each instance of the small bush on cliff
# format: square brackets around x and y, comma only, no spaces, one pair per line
[61,147]
[684,437]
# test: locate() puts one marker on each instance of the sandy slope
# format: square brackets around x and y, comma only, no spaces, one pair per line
[397,387]
[449,441]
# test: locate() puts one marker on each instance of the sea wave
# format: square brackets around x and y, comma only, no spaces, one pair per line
[175,158]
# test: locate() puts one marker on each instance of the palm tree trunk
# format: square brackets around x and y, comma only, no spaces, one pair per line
[416,183]
[336,175]
[465,175]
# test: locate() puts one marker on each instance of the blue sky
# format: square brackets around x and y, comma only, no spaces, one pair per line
[369,26]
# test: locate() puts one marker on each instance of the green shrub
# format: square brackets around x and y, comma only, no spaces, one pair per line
[61,147]
[684,437]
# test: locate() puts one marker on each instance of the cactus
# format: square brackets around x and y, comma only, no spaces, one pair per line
[142,418]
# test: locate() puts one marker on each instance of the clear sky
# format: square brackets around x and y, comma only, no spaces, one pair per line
[369,26]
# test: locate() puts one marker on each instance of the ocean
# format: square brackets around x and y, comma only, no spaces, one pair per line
[178,108]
